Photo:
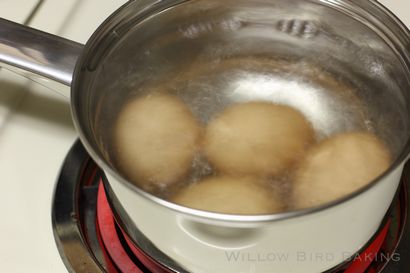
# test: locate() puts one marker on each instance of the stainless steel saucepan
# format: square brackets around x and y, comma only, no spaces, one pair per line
[345,64]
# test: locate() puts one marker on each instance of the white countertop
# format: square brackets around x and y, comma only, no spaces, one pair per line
[36,133]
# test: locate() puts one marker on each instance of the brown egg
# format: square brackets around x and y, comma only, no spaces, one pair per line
[156,138]
[338,166]
[257,138]
[229,195]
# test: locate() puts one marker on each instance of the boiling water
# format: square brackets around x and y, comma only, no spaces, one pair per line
[330,104]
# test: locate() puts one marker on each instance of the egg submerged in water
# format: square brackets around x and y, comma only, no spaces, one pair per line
[257,138]
[338,166]
[156,139]
[231,195]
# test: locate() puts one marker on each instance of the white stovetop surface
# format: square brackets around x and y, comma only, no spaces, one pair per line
[36,133]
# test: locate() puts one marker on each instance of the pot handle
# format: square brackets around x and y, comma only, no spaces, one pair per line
[38,52]
[222,236]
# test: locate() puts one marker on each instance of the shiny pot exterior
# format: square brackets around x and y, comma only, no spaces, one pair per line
[357,37]
[307,243]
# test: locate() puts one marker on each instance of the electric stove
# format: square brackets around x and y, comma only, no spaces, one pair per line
[90,240]
[36,134]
